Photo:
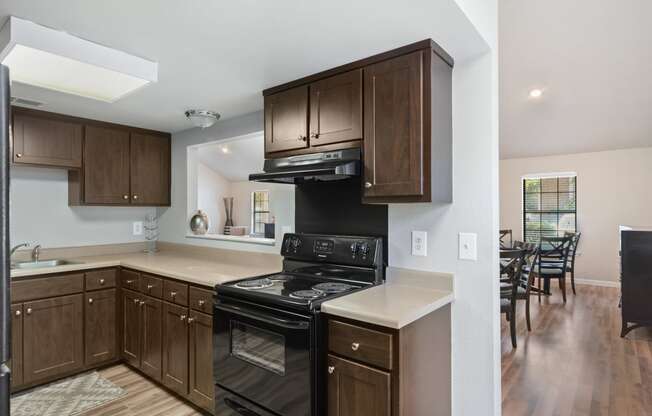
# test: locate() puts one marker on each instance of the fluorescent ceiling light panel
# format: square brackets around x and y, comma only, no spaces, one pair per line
[48,58]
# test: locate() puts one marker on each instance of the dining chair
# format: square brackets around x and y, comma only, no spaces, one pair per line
[526,279]
[571,256]
[512,267]
[553,262]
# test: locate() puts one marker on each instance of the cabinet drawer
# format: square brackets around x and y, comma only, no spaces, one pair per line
[130,279]
[100,279]
[151,285]
[175,292]
[361,344]
[47,287]
[201,299]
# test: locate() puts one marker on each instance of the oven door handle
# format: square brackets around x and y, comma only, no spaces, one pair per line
[285,323]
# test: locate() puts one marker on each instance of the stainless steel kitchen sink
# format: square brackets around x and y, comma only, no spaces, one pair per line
[41,264]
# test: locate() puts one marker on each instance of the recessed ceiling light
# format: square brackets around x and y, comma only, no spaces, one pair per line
[225,149]
[536,93]
[52,59]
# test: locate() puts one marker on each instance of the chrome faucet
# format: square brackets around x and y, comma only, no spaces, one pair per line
[16,247]
[36,252]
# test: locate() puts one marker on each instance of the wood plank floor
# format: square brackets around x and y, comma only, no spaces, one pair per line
[144,398]
[574,361]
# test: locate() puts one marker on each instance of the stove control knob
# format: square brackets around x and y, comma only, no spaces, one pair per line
[364,250]
[354,249]
[296,243]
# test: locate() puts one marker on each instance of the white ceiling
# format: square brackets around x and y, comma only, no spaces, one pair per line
[243,156]
[594,61]
[220,55]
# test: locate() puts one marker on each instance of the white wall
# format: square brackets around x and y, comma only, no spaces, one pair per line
[211,189]
[39,212]
[613,188]
[174,220]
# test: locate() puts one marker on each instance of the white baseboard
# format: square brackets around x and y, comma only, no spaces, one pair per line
[605,283]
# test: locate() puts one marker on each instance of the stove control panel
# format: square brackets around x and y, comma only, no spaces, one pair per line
[359,251]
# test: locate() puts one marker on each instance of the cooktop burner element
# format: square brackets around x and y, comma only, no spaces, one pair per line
[332,287]
[307,294]
[255,284]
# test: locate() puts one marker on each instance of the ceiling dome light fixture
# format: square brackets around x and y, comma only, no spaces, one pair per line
[202,118]
[536,93]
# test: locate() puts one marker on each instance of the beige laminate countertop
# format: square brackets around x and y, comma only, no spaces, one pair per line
[406,296]
[189,268]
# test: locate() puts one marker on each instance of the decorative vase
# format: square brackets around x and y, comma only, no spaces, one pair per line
[228,207]
[199,223]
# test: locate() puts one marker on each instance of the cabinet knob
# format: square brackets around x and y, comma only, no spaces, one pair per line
[141,303]
[367,185]
[191,320]
[19,155]
[29,311]
[173,294]
[135,196]
[149,287]
[302,138]
[201,302]
[90,300]
[331,369]
[125,197]
[314,135]
[355,346]
[182,317]
[101,281]
[18,313]
[136,301]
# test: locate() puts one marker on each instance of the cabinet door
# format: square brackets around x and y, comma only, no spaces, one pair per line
[336,109]
[40,140]
[175,348]
[393,127]
[152,310]
[131,327]
[150,169]
[355,389]
[201,384]
[286,120]
[106,166]
[100,326]
[53,337]
[16,345]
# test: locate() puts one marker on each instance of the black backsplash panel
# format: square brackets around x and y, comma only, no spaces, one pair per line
[336,208]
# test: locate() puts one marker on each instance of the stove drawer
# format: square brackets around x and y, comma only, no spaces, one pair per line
[361,344]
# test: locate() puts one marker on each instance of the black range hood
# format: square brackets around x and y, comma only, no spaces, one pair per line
[314,167]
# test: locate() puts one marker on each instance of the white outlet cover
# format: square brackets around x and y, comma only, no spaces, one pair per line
[468,249]
[138,228]
[420,243]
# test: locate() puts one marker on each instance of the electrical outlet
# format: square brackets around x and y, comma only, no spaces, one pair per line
[468,249]
[419,243]
[138,228]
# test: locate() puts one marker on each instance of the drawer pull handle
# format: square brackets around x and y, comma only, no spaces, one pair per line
[331,369]
[19,155]
[182,317]
[355,346]
[173,294]
[368,185]
[101,281]
[18,313]
[201,302]
[129,282]
[29,311]
[90,300]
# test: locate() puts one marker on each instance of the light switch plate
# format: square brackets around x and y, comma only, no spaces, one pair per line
[138,228]
[419,243]
[468,246]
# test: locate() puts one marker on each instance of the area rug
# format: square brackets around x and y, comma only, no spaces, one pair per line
[68,397]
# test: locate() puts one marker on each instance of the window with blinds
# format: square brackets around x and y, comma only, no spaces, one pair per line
[260,211]
[549,207]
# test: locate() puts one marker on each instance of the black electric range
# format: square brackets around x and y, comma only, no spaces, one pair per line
[267,330]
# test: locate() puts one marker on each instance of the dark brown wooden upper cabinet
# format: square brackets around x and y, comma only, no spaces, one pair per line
[286,120]
[150,169]
[106,166]
[46,139]
[408,129]
[336,109]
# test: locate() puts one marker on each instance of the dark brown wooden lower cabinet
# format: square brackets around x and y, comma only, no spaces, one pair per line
[201,383]
[175,348]
[53,337]
[131,327]
[152,330]
[16,345]
[100,326]
[355,389]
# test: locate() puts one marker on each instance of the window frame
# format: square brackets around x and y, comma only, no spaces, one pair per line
[524,210]
[254,211]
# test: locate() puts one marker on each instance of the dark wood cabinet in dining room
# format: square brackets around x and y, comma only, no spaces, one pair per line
[45,139]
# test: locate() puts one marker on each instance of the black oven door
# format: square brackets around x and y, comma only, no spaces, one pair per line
[264,355]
